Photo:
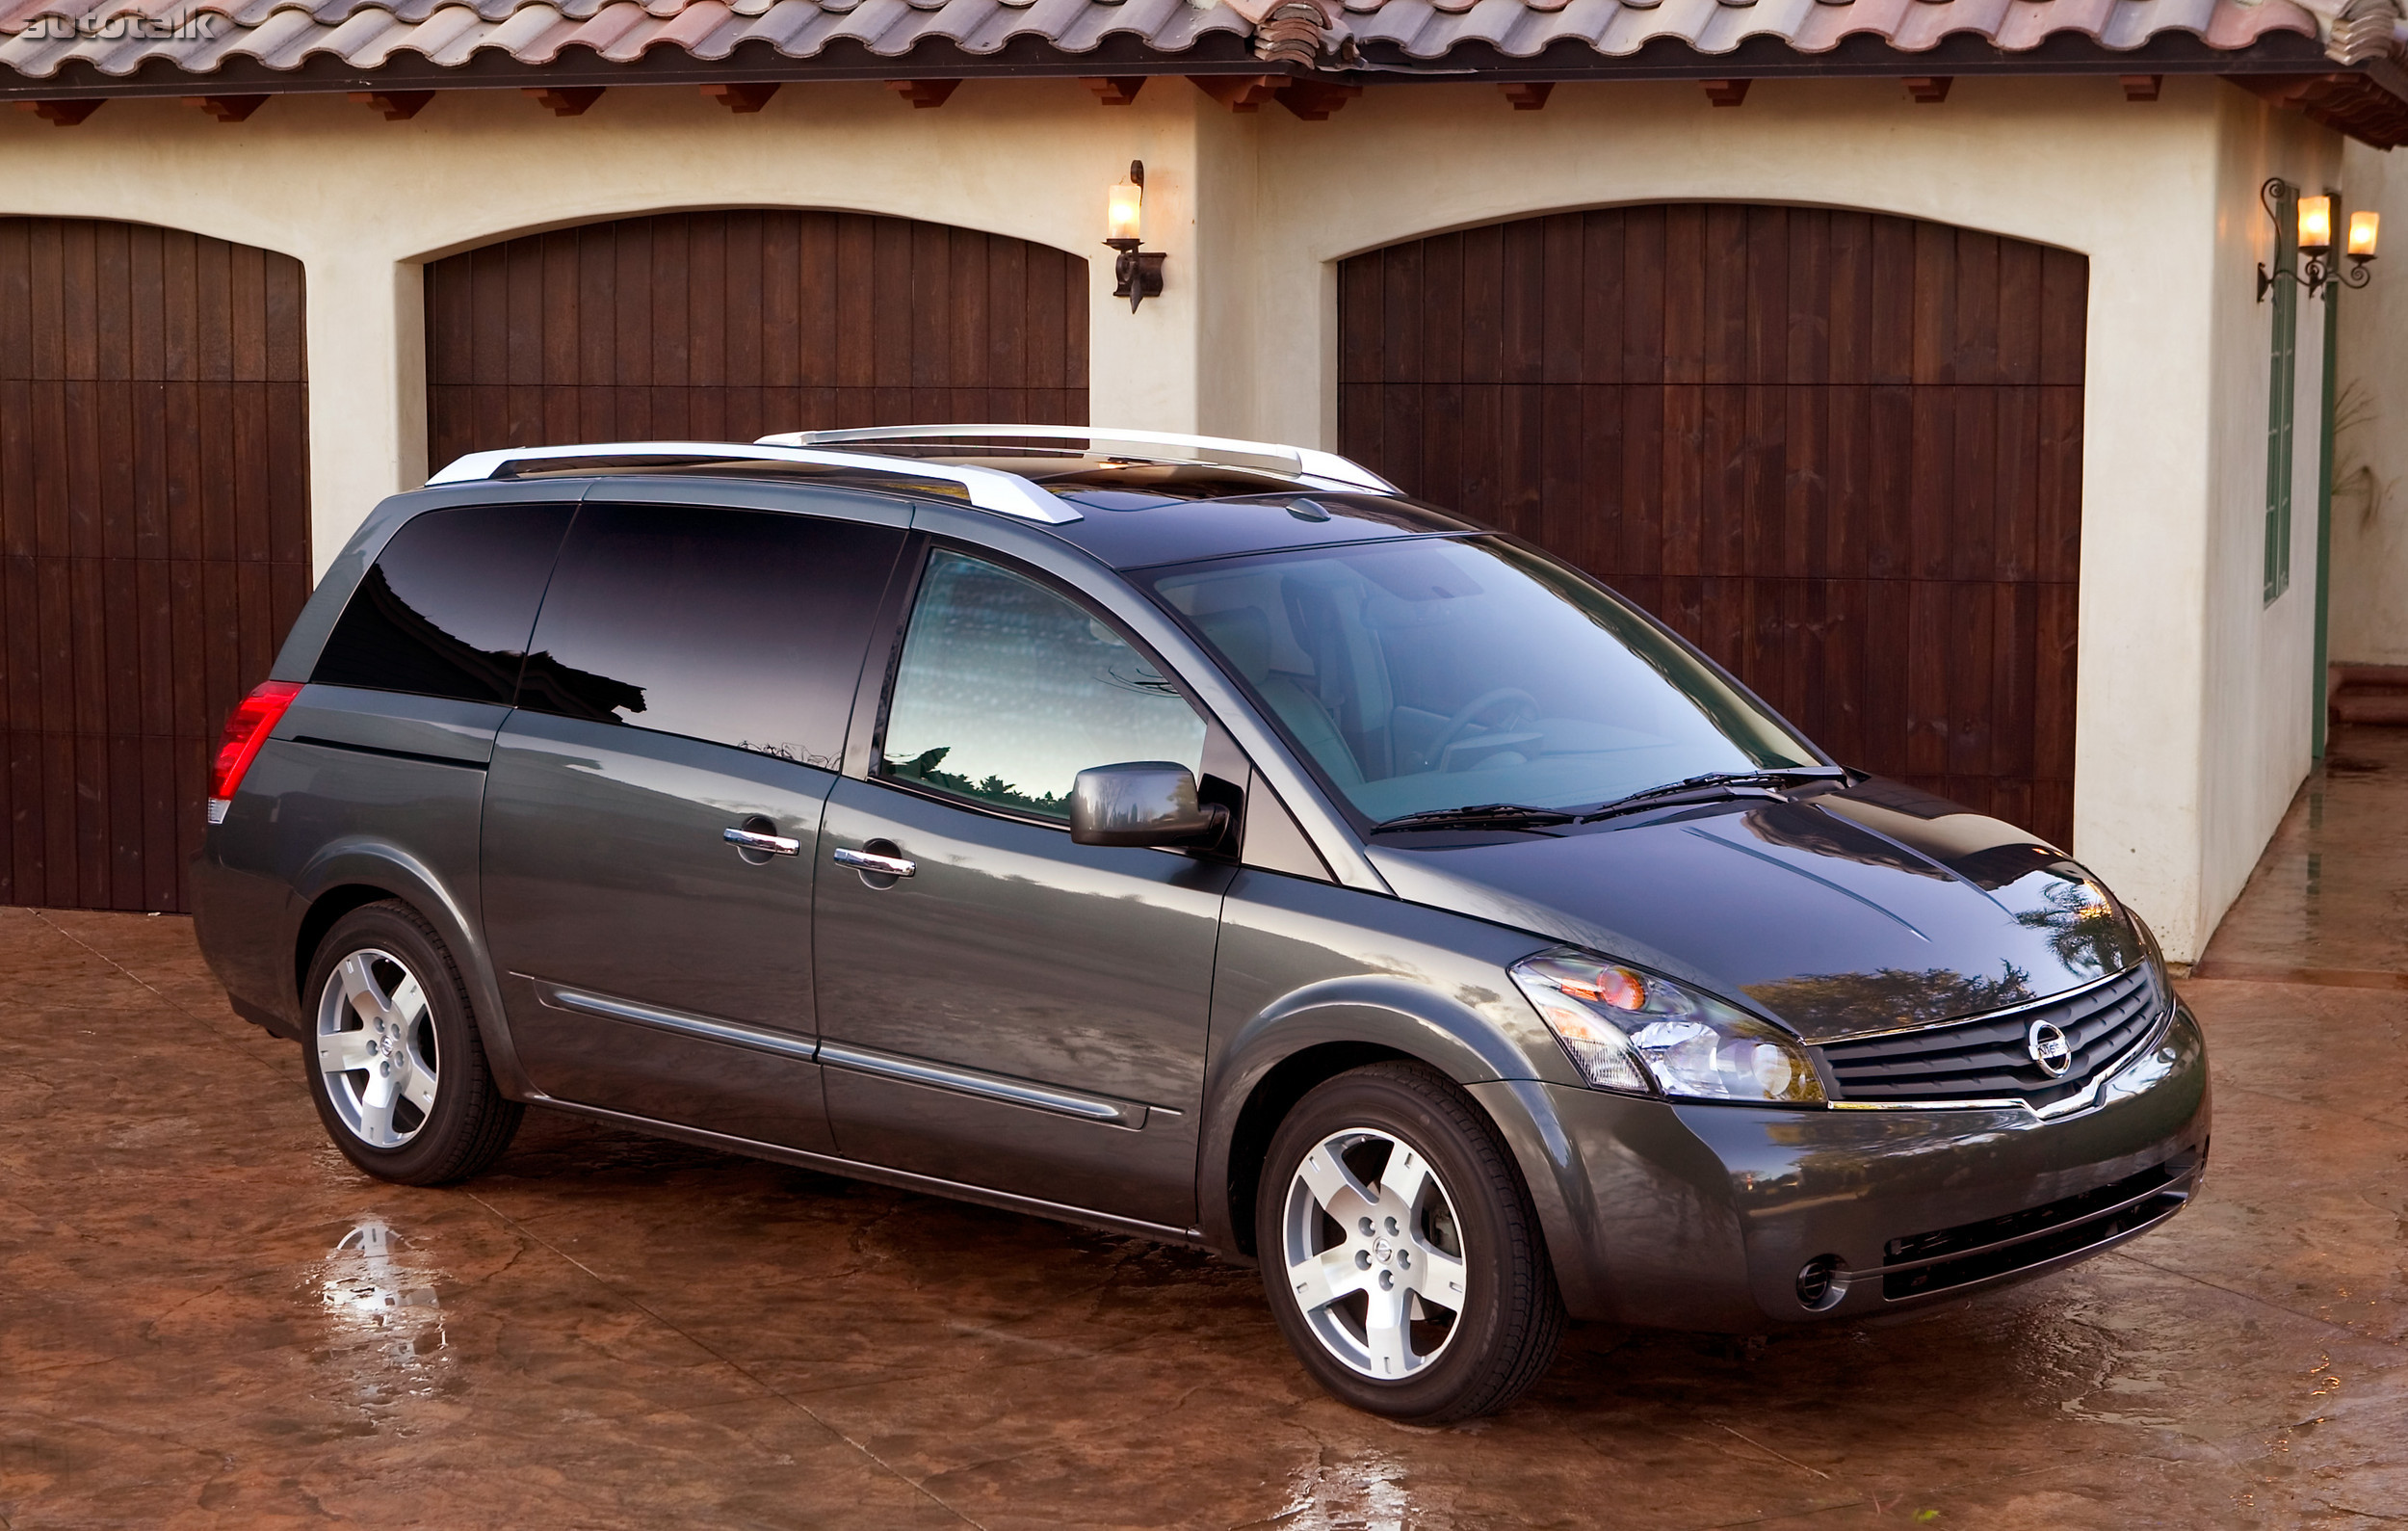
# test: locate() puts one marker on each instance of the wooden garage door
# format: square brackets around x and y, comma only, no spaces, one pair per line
[1840,451]
[154,533]
[721,327]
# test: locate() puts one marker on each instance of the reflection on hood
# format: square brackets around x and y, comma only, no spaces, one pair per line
[1862,909]
[1892,998]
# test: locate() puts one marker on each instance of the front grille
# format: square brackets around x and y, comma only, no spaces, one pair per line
[2035,1235]
[1988,1057]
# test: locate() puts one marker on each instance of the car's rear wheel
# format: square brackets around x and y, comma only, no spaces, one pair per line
[1399,1251]
[393,1058]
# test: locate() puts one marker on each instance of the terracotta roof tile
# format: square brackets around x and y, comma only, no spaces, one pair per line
[38,38]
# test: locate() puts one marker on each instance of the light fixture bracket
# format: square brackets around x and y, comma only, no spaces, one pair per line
[1136,271]
[2316,267]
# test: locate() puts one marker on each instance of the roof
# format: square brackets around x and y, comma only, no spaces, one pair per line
[97,48]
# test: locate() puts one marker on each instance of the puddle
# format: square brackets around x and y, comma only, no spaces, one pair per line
[387,1342]
[1362,1491]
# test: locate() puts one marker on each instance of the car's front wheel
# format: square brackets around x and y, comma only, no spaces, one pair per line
[1399,1251]
[393,1059]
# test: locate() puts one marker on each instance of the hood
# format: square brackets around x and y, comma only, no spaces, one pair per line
[1865,910]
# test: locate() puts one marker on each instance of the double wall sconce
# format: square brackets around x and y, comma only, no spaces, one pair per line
[1138,271]
[2315,262]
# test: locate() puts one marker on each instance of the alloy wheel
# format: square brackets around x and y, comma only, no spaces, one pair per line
[377,1048]
[1374,1253]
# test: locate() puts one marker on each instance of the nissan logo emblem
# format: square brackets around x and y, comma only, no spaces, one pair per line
[2050,1048]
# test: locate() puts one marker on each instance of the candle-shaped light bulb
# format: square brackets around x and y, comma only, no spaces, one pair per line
[2316,225]
[2363,227]
[1123,208]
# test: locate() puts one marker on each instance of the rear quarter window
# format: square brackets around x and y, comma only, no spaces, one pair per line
[446,609]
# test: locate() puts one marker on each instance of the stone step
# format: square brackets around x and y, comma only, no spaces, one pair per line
[2352,706]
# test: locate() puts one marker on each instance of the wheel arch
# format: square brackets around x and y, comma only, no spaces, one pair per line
[1313,1035]
[352,874]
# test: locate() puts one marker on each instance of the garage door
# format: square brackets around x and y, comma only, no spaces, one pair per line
[728,326]
[1840,451]
[154,529]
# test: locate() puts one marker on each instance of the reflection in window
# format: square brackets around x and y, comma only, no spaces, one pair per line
[1431,673]
[446,608]
[1006,692]
[741,627]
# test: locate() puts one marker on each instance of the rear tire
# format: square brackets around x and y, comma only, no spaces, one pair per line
[1400,1250]
[393,1058]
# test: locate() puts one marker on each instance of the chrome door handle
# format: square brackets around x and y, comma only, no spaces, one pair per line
[880,865]
[773,844]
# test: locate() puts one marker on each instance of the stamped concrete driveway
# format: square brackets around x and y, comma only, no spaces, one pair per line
[207,1318]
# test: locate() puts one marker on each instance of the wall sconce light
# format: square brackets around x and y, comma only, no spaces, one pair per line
[2315,264]
[1138,274]
[2363,227]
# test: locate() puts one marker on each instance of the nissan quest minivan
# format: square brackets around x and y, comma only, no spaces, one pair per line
[1192,838]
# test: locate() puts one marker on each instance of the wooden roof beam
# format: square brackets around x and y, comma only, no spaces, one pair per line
[742,97]
[565,100]
[227,108]
[1241,92]
[923,93]
[397,106]
[64,114]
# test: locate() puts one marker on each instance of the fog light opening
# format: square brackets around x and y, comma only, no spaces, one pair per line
[1821,1283]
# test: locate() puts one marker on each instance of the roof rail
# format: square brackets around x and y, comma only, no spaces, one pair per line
[987,489]
[1321,469]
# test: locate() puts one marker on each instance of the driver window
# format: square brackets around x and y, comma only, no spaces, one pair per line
[1006,692]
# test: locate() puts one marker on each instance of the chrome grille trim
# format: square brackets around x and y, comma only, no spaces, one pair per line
[1969,1049]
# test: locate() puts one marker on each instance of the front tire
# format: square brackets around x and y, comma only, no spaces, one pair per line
[1399,1251]
[394,1062]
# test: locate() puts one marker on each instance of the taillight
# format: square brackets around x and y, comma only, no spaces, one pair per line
[247,728]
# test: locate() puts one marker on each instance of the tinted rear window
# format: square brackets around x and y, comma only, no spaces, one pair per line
[446,608]
[743,628]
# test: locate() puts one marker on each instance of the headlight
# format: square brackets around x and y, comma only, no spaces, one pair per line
[1638,1032]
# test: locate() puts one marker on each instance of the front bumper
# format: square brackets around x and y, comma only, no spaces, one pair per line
[1704,1217]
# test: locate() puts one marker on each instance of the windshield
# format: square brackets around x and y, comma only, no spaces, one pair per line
[1435,673]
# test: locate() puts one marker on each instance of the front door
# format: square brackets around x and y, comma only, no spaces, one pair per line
[690,675]
[1002,1008]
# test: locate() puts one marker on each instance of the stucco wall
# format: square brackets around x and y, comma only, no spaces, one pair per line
[2191,715]
[2260,680]
[2370,464]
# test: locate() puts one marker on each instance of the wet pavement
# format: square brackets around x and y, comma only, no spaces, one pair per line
[207,1318]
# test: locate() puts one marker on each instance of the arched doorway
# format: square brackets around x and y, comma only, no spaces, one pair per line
[728,326]
[1841,452]
[154,538]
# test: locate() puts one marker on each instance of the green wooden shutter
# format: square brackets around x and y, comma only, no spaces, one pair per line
[2283,392]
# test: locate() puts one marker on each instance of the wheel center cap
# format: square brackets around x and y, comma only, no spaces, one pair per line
[1381,1249]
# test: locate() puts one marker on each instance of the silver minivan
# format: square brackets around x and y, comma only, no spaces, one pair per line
[1192,838]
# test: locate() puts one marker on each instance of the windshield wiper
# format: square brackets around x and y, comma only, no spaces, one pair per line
[1715,785]
[1479,816]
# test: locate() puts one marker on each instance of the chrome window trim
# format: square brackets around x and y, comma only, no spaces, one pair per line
[988,489]
[2060,997]
[2081,1099]
[1321,469]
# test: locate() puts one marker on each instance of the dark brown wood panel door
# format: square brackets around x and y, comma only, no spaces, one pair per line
[1840,451]
[725,327]
[154,539]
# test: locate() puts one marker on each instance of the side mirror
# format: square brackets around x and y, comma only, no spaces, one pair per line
[1141,802]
